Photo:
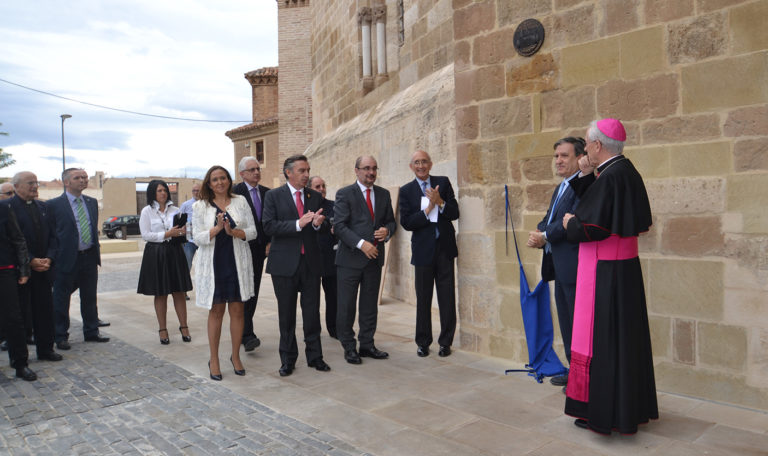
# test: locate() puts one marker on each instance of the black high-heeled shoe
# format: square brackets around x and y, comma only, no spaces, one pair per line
[213,377]
[183,337]
[240,372]
[164,341]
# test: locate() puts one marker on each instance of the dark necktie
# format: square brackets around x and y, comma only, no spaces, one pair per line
[256,202]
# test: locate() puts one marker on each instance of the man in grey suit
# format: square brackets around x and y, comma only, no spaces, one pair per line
[550,235]
[76,258]
[293,216]
[363,222]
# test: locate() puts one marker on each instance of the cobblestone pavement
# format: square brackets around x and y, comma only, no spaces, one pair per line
[113,398]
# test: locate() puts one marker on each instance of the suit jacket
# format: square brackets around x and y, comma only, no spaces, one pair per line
[13,249]
[67,237]
[279,217]
[27,225]
[327,242]
[412,218]
[258,245]
[564,254]
[352,222]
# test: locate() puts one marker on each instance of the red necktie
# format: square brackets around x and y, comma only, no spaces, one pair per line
[300,207]
[370,208]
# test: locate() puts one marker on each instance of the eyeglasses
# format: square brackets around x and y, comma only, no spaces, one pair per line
[7,193]
[252,170]
[33,183]
[421,162]
[369,168]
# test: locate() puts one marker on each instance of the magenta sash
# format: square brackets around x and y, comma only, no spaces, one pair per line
[611,249]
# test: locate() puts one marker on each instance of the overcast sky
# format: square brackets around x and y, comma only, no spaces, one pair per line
[164,57]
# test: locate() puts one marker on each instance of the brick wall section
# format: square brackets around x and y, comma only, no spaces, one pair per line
[690,80]
[295,107]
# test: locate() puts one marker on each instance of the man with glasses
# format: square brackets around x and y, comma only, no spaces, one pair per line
[6,190]
[35,297]
[363,222]
[250,172]
[76,258]
[428,207]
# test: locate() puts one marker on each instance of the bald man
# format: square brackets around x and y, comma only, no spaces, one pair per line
[6,190]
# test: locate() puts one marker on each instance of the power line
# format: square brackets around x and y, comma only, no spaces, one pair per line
[122,110]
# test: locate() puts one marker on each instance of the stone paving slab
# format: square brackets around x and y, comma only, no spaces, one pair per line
[115,399]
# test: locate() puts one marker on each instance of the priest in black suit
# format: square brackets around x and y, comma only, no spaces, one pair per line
[293,216]
[36,295]
[363,222]
[433,249]
[250,172]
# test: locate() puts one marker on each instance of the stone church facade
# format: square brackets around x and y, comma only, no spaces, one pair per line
[689,79]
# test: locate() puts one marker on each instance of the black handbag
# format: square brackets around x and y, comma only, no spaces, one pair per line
[179,219]
[547,267]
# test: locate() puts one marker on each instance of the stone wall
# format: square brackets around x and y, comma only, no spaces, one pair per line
[689,79]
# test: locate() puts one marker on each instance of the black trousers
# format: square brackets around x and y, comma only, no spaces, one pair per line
[287,289]
[36,296]
[565,300]
[84,276]
[439,274]
[12,322]
[329,289]
[249,306]
[349,280]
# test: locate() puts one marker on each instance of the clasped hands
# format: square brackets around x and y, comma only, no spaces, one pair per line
[40,264]
[222,223]
[369,249]
[316,218]
[536,239]
[176,231]
[433,195]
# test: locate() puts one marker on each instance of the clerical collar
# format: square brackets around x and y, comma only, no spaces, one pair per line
[608,163]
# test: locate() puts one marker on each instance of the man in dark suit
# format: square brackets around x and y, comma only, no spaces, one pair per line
[250,172]
[550,235]
[328,250]
[76,258]
[363,222]
[293,216]
[428,207]
[36,295]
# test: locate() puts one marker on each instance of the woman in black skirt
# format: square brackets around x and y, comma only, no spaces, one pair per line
[164,268]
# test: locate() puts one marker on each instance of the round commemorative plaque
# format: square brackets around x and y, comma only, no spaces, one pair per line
[528,37]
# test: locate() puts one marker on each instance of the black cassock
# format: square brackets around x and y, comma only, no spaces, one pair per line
[611,382]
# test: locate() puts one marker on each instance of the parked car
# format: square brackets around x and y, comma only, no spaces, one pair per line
[121,225]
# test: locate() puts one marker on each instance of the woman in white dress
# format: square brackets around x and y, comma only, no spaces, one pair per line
[223,267]
[164,268]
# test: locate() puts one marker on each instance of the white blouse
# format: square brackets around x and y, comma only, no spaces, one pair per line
[153,223]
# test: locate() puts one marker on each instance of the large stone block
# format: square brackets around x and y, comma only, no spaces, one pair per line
[688,288]
[496,47]
[472,212]
[681,129]
[757,372]
[531,221]
[750,250]
[665,11]
[746,307]
[661,335]
[482,162]
[747,26]
[489,83]
[725,83]
[639,99]
[512,12]
[478,302]
[620,16]
[704,159]
[686,195]
[534,145]
[642,53]
[532,75]
[568,108]
[573,26]
[693,236]
[474,19]
[510,315]
[684,341]
[751,121]
[651,162]
[697,39]
[505,117]
[462,52]
[467,123]
[722,346]
[709,383]
[590,63]
[753,206]
[538,169]
[539,196]
[750,155]
[711,5]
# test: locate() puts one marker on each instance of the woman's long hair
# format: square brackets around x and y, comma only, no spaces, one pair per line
[206,194]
